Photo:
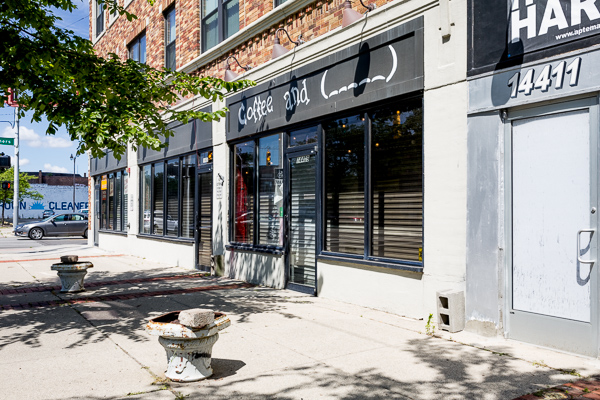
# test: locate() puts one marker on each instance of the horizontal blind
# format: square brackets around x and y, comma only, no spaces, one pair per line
[205,220]
[302,220]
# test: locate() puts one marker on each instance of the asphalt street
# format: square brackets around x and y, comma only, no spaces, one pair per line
[9,241]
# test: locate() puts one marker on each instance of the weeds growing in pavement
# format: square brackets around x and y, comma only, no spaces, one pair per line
[430,327]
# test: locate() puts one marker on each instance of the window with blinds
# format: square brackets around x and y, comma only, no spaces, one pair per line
[167,200]
[146,199]
[302,235]
[188,187]
[118,201]
[397,183]
[111,202]
[205,219]
[344,185]
[375,160]
[104,202]
[158,206]
[172,197]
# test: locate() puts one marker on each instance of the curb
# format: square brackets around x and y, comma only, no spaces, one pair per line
[584,389]
[95,299]
[35,289]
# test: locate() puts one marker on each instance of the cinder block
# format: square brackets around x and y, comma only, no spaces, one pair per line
[196,317]
[451,310]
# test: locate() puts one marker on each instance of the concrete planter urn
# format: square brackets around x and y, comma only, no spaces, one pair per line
[189,348]
[71,273]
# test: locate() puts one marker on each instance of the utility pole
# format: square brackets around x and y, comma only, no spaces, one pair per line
[73,158]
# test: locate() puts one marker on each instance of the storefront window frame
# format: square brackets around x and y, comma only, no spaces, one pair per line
[320,253]
[367,258]
[164,162]
[255,245]
[104,204]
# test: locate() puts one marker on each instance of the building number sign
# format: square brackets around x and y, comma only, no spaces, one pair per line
[528,82]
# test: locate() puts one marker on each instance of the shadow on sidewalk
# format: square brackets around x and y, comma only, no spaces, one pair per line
[127,317]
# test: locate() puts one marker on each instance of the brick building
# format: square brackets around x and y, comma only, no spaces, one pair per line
[341,174]
[57,179]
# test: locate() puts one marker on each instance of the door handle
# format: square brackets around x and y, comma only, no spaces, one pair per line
[582,261]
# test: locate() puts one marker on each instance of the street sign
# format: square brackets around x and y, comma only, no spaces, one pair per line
[7,141]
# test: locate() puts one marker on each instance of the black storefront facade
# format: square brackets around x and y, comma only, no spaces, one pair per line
[158,204]
[532,192]
[319,178]
[110,191]
[327,175]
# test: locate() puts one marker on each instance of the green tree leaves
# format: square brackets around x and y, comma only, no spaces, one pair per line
[104,103]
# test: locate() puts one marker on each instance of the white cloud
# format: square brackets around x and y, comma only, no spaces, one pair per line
[54,168]
[23,162]
[53,141]
[32,139]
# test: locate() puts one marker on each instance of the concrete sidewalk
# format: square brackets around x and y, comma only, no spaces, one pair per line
[281,344]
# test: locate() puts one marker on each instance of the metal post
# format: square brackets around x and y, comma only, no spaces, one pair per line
[16,183]
[74,158]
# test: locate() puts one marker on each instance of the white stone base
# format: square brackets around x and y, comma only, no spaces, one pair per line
[72,281]
[188,359]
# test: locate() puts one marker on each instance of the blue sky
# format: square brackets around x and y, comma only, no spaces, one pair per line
[39,151]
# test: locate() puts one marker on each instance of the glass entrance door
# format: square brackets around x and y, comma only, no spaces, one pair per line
[301,222]
[204,221]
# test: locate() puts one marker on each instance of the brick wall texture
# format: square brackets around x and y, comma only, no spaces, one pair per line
[312,21]
[60,180]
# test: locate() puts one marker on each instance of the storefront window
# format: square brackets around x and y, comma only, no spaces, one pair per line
[397,183]
[270,190]
[118,201]
[188,188]
[172,197]
[303,136]
[103,201]
[171,186]
[344,185]
[244,192]
[392,171]
[146,196]
[112,204]
[125,200]
[158,199]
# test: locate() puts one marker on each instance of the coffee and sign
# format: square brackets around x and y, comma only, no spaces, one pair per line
[387,65]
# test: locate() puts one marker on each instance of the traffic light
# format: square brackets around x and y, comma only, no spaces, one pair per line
[268,157]
[4,161]
[6,185]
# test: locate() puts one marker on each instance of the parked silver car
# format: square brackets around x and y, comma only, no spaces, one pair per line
[56,225]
